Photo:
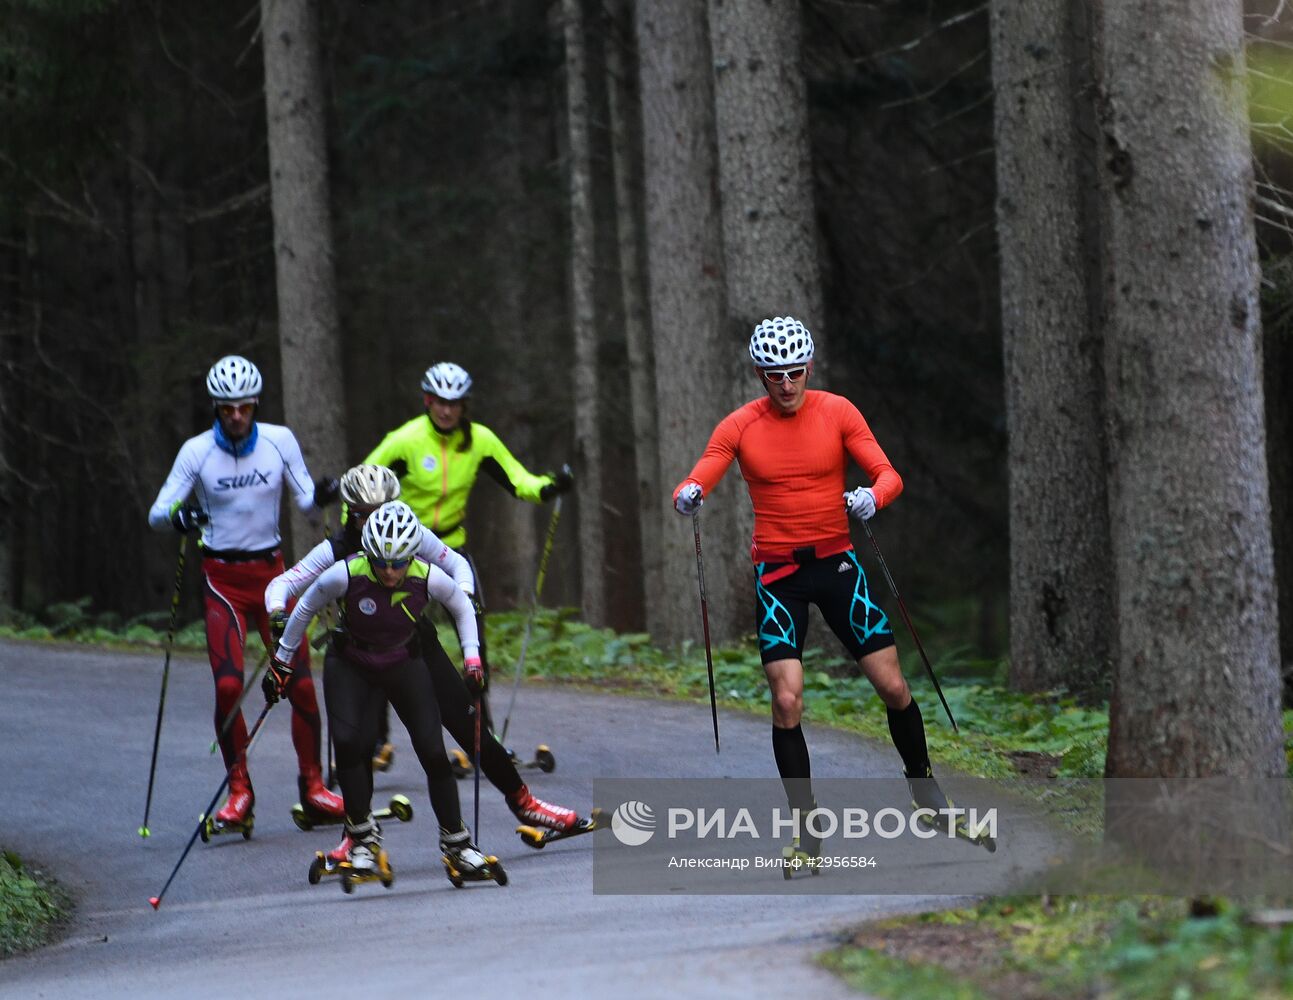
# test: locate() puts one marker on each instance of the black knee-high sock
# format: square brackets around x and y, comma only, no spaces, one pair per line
[907,728]
[791,752]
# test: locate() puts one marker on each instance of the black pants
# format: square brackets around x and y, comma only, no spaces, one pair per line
[355,696]
[456,705]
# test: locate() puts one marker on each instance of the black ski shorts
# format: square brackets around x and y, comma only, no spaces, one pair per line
[838,586]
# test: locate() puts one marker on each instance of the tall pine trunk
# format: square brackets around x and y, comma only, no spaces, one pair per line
[1197,677]
[765,168]
[698,365]
[308,327]
[646,456]
[1061,602]
[592,549]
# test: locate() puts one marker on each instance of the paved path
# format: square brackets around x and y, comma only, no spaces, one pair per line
[75,736]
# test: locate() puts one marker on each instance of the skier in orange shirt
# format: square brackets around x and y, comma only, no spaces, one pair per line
[793,446]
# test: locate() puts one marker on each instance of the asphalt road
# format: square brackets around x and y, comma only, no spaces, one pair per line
[75,737]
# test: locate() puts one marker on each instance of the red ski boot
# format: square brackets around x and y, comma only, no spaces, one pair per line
[319,805]
[237,815]
[536,812]
[326,864]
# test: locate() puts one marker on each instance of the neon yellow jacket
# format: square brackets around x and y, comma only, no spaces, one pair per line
[436,478]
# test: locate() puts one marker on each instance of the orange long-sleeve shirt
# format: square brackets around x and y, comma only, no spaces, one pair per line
[793,465]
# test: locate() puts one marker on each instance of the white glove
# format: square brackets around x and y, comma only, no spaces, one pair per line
[689,499]
[860,503]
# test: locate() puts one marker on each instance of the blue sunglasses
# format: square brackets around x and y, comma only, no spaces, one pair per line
[389,563]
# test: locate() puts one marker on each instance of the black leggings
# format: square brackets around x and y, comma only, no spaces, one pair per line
[355,696]
[456,714]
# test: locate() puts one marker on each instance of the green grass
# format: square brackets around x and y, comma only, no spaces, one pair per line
[1070,948]
[31,906]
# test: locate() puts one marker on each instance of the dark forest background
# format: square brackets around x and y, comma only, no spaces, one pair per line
[136,247]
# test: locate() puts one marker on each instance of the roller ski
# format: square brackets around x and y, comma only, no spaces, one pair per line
[359,858]
[801,854]
[237,815]
[464,862]
[543,760]
[926,796]
[543,822]
[400,808]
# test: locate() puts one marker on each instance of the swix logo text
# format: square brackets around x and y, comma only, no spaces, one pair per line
[253,478]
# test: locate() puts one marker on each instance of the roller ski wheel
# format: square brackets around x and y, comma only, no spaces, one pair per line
[543,760]
[491,871]
[400,808]
[214,827]
[961,830]
[795,860]
[383,757]
[539,837]
[460,763]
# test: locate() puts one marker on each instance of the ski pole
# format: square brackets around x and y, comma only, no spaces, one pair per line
[475,762]
[902,606]
[534,607]
[166,676]
[704,619]
[237,705]
[156,901]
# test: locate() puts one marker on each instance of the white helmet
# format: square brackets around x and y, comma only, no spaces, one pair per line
[232,379]
[447,380]
[781,341]
[369,486]
[392,532]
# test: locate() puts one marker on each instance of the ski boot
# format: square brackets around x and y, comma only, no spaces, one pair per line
[329,862]
[543,760]
[463,861]
[926,795]
[237,815]
[366,859]
[318,806]
[803,852]
[542,821]
[383,756]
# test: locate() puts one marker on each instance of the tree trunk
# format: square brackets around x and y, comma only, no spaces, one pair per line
[636,329]
[592,549]
[1061,603]
[309,331]
[698,364]
[765,166]
[1196,688]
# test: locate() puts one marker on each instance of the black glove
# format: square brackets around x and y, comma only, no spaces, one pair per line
[562,482]
[326,490]
[277,625]
[474,676]
[186,518]
[274,683]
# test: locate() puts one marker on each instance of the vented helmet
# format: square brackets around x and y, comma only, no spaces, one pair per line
[392,532]
[233,379]
[369,486]
[779,342]
[447,380]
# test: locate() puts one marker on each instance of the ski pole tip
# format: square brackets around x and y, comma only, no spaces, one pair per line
[145,832]
[155,901]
